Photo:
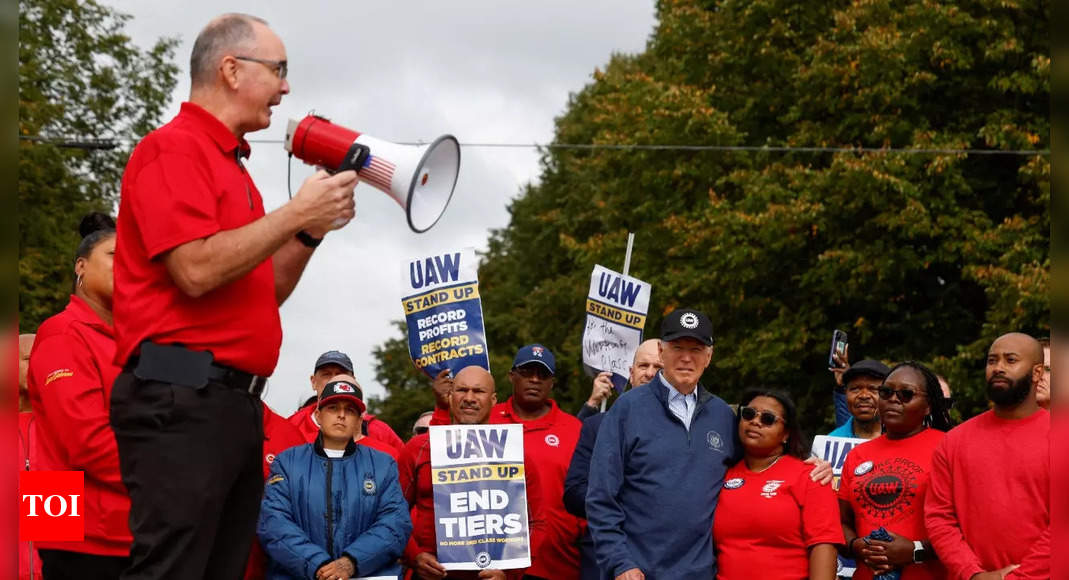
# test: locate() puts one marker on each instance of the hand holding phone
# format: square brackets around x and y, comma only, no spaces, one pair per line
[837,352]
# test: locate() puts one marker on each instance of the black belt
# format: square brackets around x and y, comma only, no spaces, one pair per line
[223,375]
[236,379]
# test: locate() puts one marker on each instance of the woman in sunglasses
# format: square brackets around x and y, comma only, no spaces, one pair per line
[885,480]
[772,520]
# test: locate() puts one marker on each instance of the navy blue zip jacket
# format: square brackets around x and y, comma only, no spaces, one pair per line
[317,509]
[654,485]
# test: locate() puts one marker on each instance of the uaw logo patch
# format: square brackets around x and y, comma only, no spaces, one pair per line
[537,351]
[269,458]
[734,483]
[552,440]
[369,486]
[887,492]
[482,559]
[770,487]
[714,441]
[688,320]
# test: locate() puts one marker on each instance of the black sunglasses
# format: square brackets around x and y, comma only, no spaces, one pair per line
[280,67]
[768,418]
[420,430]
[904,395]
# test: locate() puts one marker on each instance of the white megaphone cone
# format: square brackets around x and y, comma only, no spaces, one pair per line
[419,178]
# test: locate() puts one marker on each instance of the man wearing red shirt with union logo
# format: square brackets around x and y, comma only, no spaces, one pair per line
[200,270]
[549,438]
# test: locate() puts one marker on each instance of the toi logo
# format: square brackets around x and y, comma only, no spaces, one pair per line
[51,506]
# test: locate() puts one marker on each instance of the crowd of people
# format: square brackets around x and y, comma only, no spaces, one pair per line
[149,383]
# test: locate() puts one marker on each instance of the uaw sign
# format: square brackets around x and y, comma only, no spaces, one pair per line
[615,315]
[834,450]
[480,497]
[444,312]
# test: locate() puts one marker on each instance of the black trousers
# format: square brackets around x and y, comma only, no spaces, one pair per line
[64,565]
[191,460]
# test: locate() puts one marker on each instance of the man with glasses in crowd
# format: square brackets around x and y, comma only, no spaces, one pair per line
[200,271]
[549,437]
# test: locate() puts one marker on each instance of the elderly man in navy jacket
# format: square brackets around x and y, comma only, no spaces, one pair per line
[658,465]
[333,509]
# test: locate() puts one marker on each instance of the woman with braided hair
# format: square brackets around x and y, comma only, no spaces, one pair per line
[885,480]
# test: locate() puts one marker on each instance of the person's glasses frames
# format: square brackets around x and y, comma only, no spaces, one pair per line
[768,418]
[904,395]
[280,67]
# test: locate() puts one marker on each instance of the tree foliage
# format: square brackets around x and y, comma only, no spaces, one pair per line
[925,255]
[80,79]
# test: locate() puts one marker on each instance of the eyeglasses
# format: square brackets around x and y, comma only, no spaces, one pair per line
[768,418]
[532,371]
[904,395]
[420,430]
[280,67]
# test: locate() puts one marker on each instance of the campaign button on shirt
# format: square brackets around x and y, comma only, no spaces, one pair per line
[734,483]
[863,468]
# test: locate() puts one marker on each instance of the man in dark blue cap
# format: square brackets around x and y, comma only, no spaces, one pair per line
[659,463]
[549,437]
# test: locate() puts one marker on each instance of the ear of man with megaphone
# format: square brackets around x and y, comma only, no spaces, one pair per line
[419,178]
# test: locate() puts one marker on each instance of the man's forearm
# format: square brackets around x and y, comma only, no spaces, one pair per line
[200,266]
[289,263]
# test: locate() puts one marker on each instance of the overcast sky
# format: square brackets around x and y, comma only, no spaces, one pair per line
[486,72]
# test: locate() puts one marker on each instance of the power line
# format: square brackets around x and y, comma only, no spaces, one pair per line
[112,143]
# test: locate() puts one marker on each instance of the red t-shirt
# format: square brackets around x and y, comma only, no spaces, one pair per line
[765,522]
[988,504]
[185,182]
[885,481]
[550,441]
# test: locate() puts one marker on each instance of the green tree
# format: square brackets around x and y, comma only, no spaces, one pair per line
[926,255]
[82,79]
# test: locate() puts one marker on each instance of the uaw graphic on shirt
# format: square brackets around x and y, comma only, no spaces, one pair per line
[887,489]
[480,496]
[616,309]
[834,450]
[444,312]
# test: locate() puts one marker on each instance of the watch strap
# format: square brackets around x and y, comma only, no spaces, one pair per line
[306,239]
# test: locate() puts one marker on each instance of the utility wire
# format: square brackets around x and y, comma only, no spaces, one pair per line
[112,143]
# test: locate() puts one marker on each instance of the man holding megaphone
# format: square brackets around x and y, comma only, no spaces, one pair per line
[200,270]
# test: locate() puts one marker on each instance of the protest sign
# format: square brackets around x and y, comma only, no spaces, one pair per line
[834,450]
[480,496]
[615,316]
[444,312]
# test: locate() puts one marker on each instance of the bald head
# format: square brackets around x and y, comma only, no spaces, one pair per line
[1021,344]
[472,396]
[1014,368]
[231,33]
[647,362]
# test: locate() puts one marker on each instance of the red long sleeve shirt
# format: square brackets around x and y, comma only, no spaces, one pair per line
[70,378]
[988,503]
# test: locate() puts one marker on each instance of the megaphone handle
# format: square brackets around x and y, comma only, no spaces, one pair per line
[354,158]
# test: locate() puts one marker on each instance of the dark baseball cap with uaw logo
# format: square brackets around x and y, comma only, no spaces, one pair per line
[687,323]
[347,390]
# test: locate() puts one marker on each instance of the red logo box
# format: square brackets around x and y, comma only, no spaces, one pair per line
[51,506]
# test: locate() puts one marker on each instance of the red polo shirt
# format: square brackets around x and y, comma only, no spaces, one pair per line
[185,182]
[549,441]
